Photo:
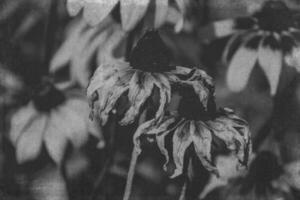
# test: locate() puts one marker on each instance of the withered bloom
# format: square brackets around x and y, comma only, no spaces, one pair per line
[148,70]
[197,126]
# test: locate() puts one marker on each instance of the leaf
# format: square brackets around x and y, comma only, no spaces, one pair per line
[29,144]
[161,11]
[132,11]
[240,68]
[270,61]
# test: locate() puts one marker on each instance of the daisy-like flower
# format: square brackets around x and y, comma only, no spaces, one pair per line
[199,127]
[269,37]
[85,45]
[131,11]
[51,120]
[145,77]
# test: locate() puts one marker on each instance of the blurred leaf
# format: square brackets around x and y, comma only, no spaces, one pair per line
[85,45]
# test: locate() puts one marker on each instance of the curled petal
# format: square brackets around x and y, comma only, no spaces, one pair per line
[142,129]
[132,12]
[140,89]
[234,133]
[165,93]
[202,139]
[181,141]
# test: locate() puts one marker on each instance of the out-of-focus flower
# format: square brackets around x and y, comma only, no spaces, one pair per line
[259,183]
[85,45]
[269,37]
[200,127]
[148,73]
[131,11]
[52,120]
[11,87]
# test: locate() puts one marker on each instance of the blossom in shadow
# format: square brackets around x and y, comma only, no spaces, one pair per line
[51,120]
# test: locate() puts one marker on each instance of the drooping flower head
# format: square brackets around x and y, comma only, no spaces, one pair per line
[270,37]
[147,72]
[131,11]
[198,126]
[51,120]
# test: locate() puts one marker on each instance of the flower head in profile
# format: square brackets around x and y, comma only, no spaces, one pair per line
[269,37]
[145,81]
[51,121]
[200,128]
[131,11]
[86,47]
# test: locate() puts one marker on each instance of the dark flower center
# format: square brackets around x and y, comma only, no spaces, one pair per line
[47,97]
[274,16]
[151,54]
[191,108]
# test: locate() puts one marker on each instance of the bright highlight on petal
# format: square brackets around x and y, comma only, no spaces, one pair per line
[132,11]
[270,61]
[240,68]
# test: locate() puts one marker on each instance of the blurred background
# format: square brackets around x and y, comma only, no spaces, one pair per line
[48,54]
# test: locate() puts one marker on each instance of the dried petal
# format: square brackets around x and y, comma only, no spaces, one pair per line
[202,140]
[181,141]
[140,88]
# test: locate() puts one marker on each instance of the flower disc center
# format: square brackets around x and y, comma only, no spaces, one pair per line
[275,16]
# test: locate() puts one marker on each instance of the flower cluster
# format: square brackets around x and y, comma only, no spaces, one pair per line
[148,81]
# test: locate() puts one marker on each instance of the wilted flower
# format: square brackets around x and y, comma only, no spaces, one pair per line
[200,127]
[85,45]
[131,11]
[51,120]
[268,37]
[148,71]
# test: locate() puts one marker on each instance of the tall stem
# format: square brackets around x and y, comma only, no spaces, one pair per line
[49,34]
[134,156]
[183,191]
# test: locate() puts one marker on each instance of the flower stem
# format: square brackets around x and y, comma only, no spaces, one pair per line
[183,191]
[134,156]
[131,172]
